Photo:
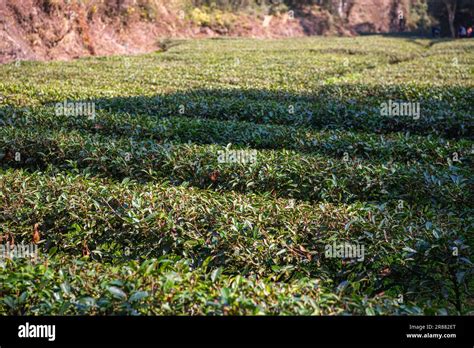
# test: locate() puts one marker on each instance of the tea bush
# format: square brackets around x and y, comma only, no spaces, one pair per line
[135,213]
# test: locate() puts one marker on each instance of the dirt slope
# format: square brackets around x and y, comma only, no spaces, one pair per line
[62,29]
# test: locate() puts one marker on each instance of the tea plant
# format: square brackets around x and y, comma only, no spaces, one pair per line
[133,212]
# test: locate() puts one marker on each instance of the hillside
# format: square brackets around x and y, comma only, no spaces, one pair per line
[57,29]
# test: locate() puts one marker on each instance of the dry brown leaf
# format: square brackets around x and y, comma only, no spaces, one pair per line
[85,249]
[36,234]
[214,176]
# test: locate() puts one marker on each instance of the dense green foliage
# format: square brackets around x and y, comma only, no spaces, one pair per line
[137,215]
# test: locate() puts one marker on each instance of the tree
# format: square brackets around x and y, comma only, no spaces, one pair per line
[451,13]
[451,6]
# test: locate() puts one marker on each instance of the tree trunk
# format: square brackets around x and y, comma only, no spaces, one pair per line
[451,9]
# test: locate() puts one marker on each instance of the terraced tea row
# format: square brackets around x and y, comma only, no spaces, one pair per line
[244,234]
[401,147]
[280,172]
[78,287]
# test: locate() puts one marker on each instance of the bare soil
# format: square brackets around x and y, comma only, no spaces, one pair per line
[62,30]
